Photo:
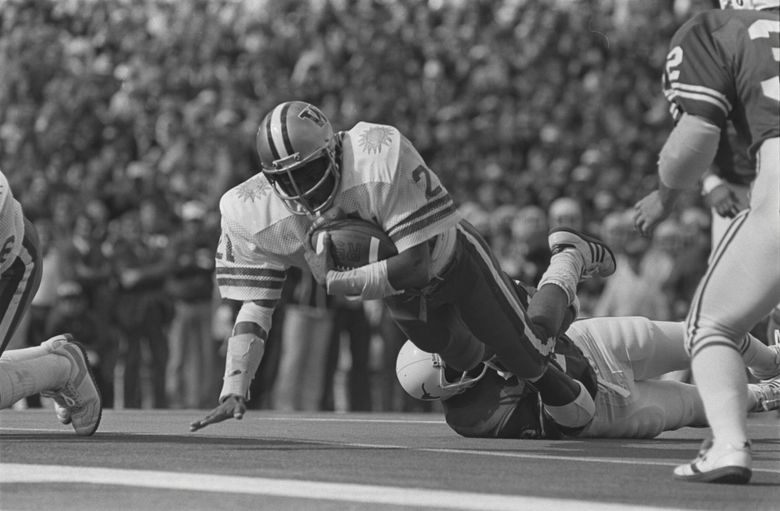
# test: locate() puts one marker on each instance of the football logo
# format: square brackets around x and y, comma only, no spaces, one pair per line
[253,189]
[372,139]
[427,395]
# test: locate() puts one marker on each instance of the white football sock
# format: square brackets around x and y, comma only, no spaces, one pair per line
[719,374]
[20,379]
[564,271]
[576,414]
[35,351]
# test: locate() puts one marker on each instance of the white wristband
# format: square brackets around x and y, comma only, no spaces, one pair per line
[244,352]
[369,282]
[710,183]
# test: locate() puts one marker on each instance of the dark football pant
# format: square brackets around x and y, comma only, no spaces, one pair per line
[18,284]
[473,299]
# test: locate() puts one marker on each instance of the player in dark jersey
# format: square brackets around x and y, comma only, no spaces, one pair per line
[621,356]
[723,66]
[58,368]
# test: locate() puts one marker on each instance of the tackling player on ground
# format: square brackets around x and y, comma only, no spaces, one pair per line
[444,288]
[723,66]
[623,356]
[58,368]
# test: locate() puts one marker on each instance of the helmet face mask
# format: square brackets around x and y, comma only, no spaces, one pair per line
[308,187]
[297,147]
[422,375]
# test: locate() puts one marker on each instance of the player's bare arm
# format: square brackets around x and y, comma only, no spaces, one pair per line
[685,157]
[245,350]
[409,269]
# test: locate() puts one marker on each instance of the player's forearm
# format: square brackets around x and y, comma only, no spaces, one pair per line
[244,353]
[688,153]
[245,349]
[409,269]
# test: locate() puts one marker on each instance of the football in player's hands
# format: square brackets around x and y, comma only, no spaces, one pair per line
[355,242]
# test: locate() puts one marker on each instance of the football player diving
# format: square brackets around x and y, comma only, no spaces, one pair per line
[444,288]
[724,66]
[621,356]
[58,368]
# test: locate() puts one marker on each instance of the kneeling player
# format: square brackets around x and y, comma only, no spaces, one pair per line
[58,368]
[622,357]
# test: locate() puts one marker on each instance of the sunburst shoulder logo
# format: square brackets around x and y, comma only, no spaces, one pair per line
[253,189]
[372,139]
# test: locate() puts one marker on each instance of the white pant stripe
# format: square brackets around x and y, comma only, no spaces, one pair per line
[509,295]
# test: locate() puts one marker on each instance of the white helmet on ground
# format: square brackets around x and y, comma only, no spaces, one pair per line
[749,4]
[421,375]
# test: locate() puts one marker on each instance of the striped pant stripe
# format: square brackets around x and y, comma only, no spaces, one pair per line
[692,322]
[18,285]
[500,282]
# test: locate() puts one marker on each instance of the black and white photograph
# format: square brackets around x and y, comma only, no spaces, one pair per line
[328,255]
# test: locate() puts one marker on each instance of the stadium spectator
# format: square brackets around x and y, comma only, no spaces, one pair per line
[192,371]
[630,292]
[143,309]
[72,314]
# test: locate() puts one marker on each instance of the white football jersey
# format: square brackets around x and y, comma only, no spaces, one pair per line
[11,225]
[383,180]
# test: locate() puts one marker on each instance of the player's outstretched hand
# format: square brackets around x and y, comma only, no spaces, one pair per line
[232,407]
[649,212]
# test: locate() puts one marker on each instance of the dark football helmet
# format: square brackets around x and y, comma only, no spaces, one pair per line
[297,149]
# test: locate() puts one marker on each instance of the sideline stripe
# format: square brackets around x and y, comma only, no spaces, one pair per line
[371,494]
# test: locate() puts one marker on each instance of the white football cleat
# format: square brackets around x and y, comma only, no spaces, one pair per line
[725,464]
[597,257]
[56,342]
[78,402]
[767,395]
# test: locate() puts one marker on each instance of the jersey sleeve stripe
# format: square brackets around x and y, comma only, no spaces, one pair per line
[703,90]
[724,107]
[700,97]
[423,223]
[254,272]
[249,282]
[446,200]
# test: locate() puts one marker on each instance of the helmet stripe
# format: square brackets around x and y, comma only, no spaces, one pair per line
[269,136]
[285,135]
[279,124]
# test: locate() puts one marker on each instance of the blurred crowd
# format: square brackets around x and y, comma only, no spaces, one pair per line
[123,121]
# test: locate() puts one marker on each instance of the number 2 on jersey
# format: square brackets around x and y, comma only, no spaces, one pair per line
[763,29]
[423,172]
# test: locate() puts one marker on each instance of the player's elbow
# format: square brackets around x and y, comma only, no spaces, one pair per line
[688,152]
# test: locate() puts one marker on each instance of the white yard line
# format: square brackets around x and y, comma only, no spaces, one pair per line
[416,498]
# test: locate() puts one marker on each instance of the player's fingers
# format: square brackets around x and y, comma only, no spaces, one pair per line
[211,418]
[196,425]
